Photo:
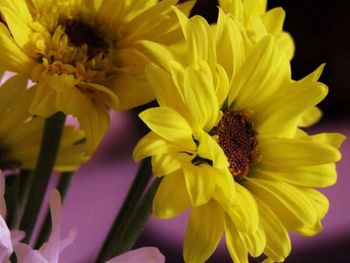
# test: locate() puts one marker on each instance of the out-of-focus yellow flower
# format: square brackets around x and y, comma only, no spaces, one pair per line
[258,22]
[83,54]
[228,142]
[20,133]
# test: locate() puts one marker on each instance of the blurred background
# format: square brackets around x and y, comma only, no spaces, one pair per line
[321,33]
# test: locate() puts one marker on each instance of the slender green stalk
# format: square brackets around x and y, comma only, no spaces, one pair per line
[18,200]
[62,187]
[138,186]
[47,156]
[11,196]
[137,222]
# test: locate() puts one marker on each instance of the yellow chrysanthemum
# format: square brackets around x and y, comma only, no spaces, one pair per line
[258,22]
[83,54]
[228,142]
[20,134]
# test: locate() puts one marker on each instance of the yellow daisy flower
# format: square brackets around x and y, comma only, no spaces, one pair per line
[228,142]
[259,22]
[84,54]
[20,134]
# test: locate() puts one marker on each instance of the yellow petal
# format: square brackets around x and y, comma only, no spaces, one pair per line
[200,182]
[312,176]
[152,145]
[12,57]
[204,232]
[201,41]
[334,139]
[290,103]
[244,211]
[165,164]
[309,117]
[296,152]
[286,201]
[165,87]
[171,198]
[19,28]
[278,245]
[236,247]
[200,98]
[131,90]
[209,149]
[170,125]
[273,20]
[93,116]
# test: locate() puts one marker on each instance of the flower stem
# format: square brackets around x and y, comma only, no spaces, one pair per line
[16,201]
[47,156]
[137,221]
[138,186]
[62,187]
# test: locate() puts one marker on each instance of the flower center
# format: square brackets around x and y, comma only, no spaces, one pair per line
[238,141]
[81,33]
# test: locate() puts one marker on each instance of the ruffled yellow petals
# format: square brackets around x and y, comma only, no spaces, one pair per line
[165,86]
[15,101]
[244,211]
[234,7]
[273,20]
[236,247]
[200,98]
[333,139]
[170,125]
[165,164]
[294,152]
[309,117]
[225,190]
[255,7]
[253,76]
[66,97]
[152,145]
[278,244]
[201,41]
[290,104]
[200,182]
[286,201]
[171,198]
[315,75]
[19,29]
[229,43]
[12,57]
[131,91]
[203,236]
[209,149]
[309,176]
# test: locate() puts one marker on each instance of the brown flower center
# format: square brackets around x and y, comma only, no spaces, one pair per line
[81,33]
[238,141]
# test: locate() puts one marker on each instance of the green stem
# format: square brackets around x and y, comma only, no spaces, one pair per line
[24,180]
[47,156]
[136,190]
[137,221]
[62,187]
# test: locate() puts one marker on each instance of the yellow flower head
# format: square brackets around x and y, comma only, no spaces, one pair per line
[20,133]
[227,139]
[258,22]
[83,54]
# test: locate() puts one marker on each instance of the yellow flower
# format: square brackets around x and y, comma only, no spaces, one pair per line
[20,134]
[228,142]
[84,55]
[258,22]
